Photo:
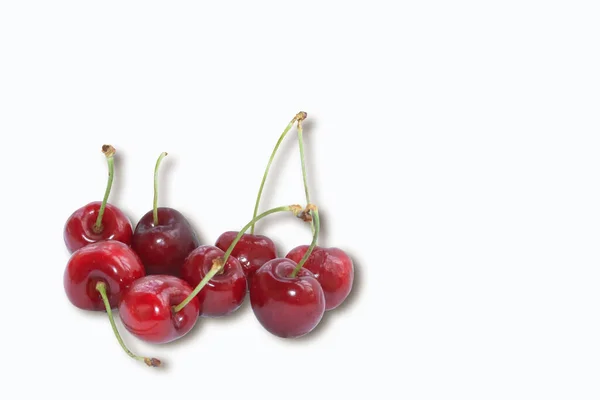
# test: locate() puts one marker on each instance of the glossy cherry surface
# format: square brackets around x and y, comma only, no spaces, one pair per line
[333,269]
[111,262]
[226,291]
[79,229]
[252,251]
[164,247]
[286,307]
[146,309]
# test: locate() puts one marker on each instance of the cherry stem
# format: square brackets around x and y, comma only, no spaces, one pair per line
[151,362]
[109,152]
[300,116]
[155,203]
[315,218]
[301,147]
[219,263]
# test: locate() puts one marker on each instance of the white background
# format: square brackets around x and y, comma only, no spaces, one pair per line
[453,148]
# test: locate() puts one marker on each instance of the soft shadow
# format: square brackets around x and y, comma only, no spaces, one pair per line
[308,127]
[199,234]
[323,229]
[117,185]
[164,180]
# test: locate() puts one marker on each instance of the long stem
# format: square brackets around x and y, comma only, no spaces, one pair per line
[301,147]
[151,362]
[317,224]
[301,115]
[109,152]
[219,264]
[155,203]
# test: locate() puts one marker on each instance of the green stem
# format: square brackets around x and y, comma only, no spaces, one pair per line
[219,264]
[155,203]
[299,116]
[151,362]
[109,152]
[315,214]
[301,147]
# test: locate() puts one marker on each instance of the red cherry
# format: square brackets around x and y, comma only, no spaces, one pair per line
[163,247]
[111,262]
[225,292]
[163,237]
[146,309]
[285,306]
[332,268]
[96,277]
[252,251]
[80,231]
[98,220]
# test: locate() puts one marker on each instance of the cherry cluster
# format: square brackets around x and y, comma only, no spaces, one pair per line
[161,279]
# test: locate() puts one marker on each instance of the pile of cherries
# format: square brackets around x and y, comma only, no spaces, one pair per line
[161,279]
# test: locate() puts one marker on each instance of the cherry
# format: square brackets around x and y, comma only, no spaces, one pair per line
[111,262]
[98,220]
[333,269]
[285,305]
[252,251]
[286,298]
[225,292]
[163,237]
[164,245]
[146,309]
[96,277]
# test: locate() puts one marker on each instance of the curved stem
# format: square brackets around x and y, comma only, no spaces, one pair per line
[151,362]
[219,264]
[315,214]
[109,152]
[301,147]
[301,115]
[155,203]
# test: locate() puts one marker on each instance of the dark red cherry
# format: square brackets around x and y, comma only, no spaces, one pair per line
[146,309]
[287,307]
[225,292]
[80,227]
[252,251]
[111,262]
[333,269]
[163,247]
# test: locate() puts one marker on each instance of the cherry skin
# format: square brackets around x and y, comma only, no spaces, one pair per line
[146,309]
[111,262]
[226,291]
[164,247]
[333,269]
[79,229]
[286,307]
[252,251]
